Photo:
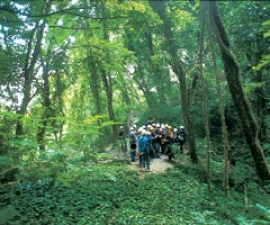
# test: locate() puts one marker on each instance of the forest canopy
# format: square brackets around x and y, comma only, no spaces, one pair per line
[73,72]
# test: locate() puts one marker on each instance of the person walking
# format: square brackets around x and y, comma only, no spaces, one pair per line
[133,143]
[122,139]
[157,140]
[147,148]
[182,135]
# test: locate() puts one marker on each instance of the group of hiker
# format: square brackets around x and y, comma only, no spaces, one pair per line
[150,140]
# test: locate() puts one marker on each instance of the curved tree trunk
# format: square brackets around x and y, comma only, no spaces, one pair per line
[241,103]
[177,67]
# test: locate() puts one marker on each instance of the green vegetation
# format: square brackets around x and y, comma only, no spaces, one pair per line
[72,72]
[113,194]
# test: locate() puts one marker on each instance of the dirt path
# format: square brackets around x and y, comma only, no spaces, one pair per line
[158,165]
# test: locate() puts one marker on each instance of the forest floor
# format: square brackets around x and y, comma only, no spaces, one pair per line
[117,191]
[159,165]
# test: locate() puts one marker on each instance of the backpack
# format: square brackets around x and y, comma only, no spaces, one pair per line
[141,144]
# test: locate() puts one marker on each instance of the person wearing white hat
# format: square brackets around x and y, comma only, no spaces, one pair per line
[135,128]
[146,155]
[157,140]
[182,135]
[141,145]
[133,143]
[122,136]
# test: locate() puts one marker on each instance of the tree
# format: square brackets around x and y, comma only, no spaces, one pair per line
[204,95]
[250,46]
[241,103]
[29,70]
[177,67]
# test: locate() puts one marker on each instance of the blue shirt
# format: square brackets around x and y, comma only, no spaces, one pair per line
[142,144]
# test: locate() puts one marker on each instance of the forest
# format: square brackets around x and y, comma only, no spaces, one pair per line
[72,72]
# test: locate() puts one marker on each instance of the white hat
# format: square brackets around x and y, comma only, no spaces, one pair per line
[140,130]
[182,127]
[148,133]
[131,128]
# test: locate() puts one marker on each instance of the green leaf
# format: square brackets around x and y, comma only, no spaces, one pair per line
[7,213]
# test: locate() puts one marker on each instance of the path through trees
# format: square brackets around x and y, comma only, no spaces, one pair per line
[159,165]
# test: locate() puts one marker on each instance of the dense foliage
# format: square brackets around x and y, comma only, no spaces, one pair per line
[72,71]
[113,194]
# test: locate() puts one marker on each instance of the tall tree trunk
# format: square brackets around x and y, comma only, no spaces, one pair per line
[95,88]
[155,67]
[204,95]
[29,67]
[46,107]
[159,7]
[58,107]
[223,122]
[253,52]
[46,63]
[94,71]
[241,103]
[107,81]
[261,104]
[144,87]
[140,79]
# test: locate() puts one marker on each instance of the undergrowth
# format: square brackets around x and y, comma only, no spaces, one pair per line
[113,194]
